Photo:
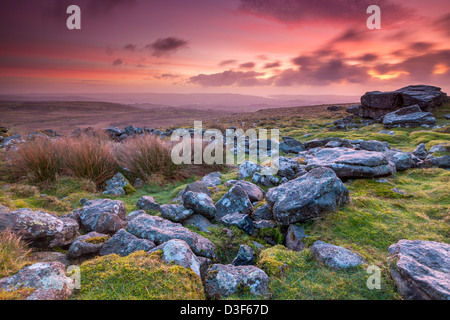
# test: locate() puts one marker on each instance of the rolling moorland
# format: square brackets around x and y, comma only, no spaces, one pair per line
[73,177]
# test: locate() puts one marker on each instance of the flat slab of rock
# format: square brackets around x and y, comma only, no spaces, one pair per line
[408,117]
[41,229]
[308,196]
[160,230]
[178,252]
[349,163]
[103,216]
[48,279]
[422,269]
[124,243]
[225,280]
[335,257]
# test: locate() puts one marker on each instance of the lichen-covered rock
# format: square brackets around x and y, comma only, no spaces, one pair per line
[124,243]
[235,200]
[335,257]
[160,230]
[408,117]
[225,280]
[175,212]
[178,252]
[240,220]
[147,203]
[198,221]
[198,187]
[307,197]
[245,256]
[103,216]
[115,185]
[40,228]
[212,179]
[420,152]
[349,163]
[421,269]
[402,161]
[86,245]
[200,203]
[262,213]
[47,281]
[134,214]
[294,238]
[253,192]
[247,169]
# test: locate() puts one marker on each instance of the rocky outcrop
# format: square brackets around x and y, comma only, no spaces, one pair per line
[349,163]
[46,281]
[307,197]
[41,229]
[335,257]
[409,117]
[124,243]
[160,230]
[225,280]
[421,269]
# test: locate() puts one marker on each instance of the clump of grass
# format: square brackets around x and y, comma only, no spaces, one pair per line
[13,253]
[19,294]
[139,276]
[89,157]
[38,160]
[23,191]
[145,156]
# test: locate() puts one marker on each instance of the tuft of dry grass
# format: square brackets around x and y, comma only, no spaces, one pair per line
[13,253]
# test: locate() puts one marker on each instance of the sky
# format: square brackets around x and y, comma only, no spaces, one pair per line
[255,47]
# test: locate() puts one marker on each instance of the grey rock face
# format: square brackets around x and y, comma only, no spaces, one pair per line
[134,214]
[40,228]
[264,224]
[335,257]
[83,247]
[124,243]
[198,187]
[247,169]
[262,213]
[160,230]
[349,163]
[294,237]
[307,197]
[240,220]
[409,117]
[225,280]
[175,212]
[147,203]
[199,222]
[114,186]
[235,200]
[245,256]
[103,216]
[265,180]
[48,279]
[291,145]
[403,161]
[420,152]
[374,145]
[253,192]
[200,203]
[212,179]
[178,252]
[422,269]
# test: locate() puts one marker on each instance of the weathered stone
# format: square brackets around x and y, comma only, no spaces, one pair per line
[403,161]
[225,280]
[374,145]
[247,169]
[307,197]
[115,185]
[198,221]
[147,203]
[124,243]
[160,230]
[409,117]
[49,256]
[212,179]
[134,214]
[47,279]
[253,192]
[240,220]
[294,237]
[86,245]
[198,187]
[200,203]
[262,213]
[335,257]
[175,212]
[235,200]
[245,256]
[421,269]
[40,228]
[420,152]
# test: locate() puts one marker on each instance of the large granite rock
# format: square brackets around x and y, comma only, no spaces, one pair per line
[235,200]
[200,203]
[103,216]
[212,179]
[41,229]
[421,269]
[175,212]
[124,243]
[335,257]
[408,117]
[307,197]
[47,279]
[349,163]
[147,203]
[225,280]
[247,169]
[240,220]
[160,230]
[254,192]
[86,245]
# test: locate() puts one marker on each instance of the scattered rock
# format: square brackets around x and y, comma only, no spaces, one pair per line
[200,203]
[420,152]
[49,256]
[335,257]
[87,245]
[307,197]
[160,230]
[212,179]
[421,269]
[291,145]
[262,213]
[391,133]
[264,224]
[41,229]
[175,212]
[134,214]
[235,200]
[403,161]
[374,145]
[147,203]
[225,280]
[199,222]
[248,169]
[115,186]
[178,252]
[124,243]
[294,237]
[245,257]
[48,281]
[409,117]
[253,192]
[198,187]
[240,220]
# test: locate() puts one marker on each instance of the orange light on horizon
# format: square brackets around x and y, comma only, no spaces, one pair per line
[387,76]
[440,68]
